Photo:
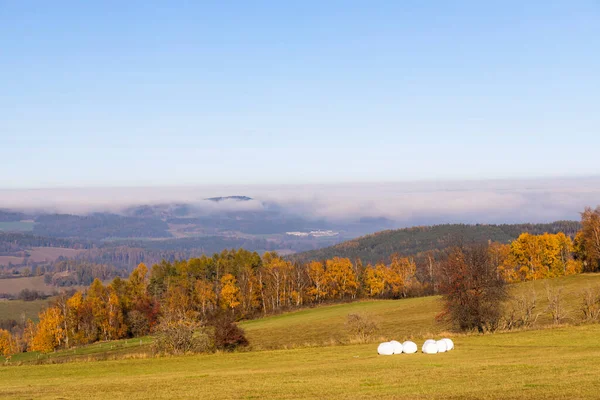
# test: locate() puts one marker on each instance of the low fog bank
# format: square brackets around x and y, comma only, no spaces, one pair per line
[408,203]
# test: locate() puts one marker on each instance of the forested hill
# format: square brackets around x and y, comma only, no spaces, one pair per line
[409,241]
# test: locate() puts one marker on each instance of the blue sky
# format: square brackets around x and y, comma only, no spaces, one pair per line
[149,93]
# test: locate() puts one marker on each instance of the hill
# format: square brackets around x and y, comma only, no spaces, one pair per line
[410,241]
[413,317]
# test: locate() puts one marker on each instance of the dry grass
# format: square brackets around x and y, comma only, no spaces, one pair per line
[554,363]
[40,254]
[6,260]
[558,363]
[409,318]
[48,254]
[15,285]
[15,309]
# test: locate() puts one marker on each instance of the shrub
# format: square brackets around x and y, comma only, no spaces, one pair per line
[181,336]
[361,327]
[227,335]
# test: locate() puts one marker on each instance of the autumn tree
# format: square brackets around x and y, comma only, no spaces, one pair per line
[590,238]
[49,334]
[205,296]
[540,256]
[318,281]
[374,279]
[117,328]
[340,278]
[275,277]
[229,292]
[472,289]
[8,343]
[402,272]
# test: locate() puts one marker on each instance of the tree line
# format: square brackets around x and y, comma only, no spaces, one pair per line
[243,284]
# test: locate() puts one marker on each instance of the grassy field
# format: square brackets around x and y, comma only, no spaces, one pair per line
[559,363]
[115,349]
[15,285]
[409,318]
[14,309]
[40,254]
[554,363]
[47,254]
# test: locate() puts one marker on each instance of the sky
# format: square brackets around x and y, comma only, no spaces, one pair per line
[149,93]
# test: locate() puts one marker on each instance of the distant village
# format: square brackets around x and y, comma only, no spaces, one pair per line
[318,233]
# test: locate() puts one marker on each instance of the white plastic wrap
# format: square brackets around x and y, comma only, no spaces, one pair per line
[385,349]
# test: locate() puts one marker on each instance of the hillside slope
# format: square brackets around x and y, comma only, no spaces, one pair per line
[550,364]
[409,241]
[406,318]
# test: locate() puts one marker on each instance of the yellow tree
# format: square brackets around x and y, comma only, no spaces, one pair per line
[402,273]
[138,282]
[229,292]
[116,323]
[205,296]
[374,280]
[318,287]
[341,279]
[543,256]
[7,343]
[97,299]
[49,334]
[72,318]
[526,252]
[501,257]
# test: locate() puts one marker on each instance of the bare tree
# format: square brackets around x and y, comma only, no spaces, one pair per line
[521,313]
[590,305]
[473,291]
[556,307]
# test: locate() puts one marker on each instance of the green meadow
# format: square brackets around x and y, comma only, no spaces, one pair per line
[309,354]
[559,363]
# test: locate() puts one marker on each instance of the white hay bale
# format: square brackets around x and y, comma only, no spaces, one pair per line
[385,349]
[409,347]
[396,346]
[441,346]
[429,347]
[449,344]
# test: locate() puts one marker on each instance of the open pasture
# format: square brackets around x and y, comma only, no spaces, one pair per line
[15,309]
[552,363]
[407,318]
[15,285]
[558,363]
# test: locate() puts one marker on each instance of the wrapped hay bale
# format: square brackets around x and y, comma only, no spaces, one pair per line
[409,347]
[441,346]
[449,344]
[429,347]
[385,349]
[396,347]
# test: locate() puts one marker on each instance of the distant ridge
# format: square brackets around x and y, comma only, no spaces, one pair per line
[411,241]
[236,198]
